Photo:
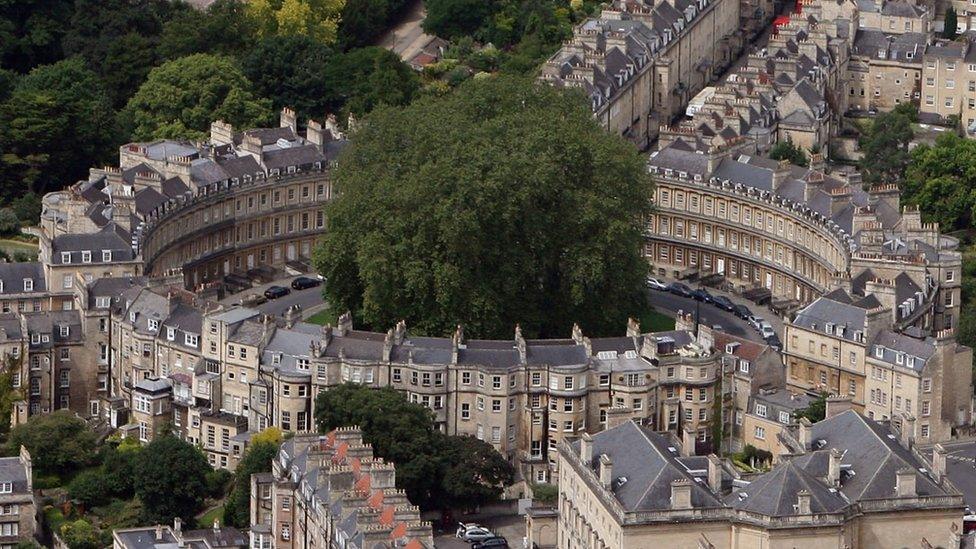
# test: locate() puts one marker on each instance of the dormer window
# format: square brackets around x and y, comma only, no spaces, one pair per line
[35,339]
[170,333]
[829,328]
[28,284]
[276,358]
[106,256]
[86,256]
[66,257]
[153,324]
[191,340]
[132,316]
[910,362]
[302,364]
[65,330]
[900,358]
[744,366]
[879,351]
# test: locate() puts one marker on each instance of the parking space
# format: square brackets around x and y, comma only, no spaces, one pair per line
[512,528]
[712,315]
[310,299]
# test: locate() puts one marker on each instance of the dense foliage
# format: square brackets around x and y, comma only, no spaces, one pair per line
[786,150]
[501,203]
[885,145]
[59,442]
[171,479]
[941,180]
[257,459]
[436,470]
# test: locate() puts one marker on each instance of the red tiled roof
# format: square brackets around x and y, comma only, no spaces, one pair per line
[340,452]
[399,531]
[414,544]
[749,350]
[386,518]
[364,482]
[376,500]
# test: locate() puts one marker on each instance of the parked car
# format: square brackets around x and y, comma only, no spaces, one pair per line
[701,294]
[250,300]
[678,288]
[304,282]
[496,542]
[742,312]
[775,343]
[656,284]
[473,532]
[274,292]
[754,321]
[766,330]
[723,302]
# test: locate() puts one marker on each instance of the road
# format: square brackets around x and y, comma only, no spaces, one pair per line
[960,468]
[512,528]
[308,298]
[407,38]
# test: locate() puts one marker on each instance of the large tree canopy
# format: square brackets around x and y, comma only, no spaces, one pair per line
[290,70]
[436,470]
[941,180]
[171,479]
[182,97]
[885,145]
[56,123]
[58,442]
[502,203]
[364,78]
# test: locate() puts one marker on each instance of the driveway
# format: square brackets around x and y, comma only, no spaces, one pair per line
[309,299]
[512,528]
[407,37]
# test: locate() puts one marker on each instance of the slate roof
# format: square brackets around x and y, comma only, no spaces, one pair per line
[646,460]
[774,494]
[817,314]
[111,238]
[302,155]
[889,344]
[871,451]
[12,276]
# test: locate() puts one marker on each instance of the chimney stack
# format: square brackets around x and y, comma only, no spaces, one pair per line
[714,474]
[837,405]
[939,462]
[833,468]
[687,442]
[681,494]
[606,471]
[803,502]
[907,431]
[288,119]
[159,532]
[805,434]
[905,483]
[586,449]
[781,174]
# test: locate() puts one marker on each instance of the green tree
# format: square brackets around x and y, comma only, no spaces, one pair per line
[171,479]
[31,32]
[452,19]
[434,469]
[941,180]
[290,71]
[951,22]
[27,208]
[8,393]
[474,471]
[815,411]
[80,534]
[223,28]
[56,123]
[180,98]
[363,21]
[120,468]
[58,442]
[362,79]
[885,147]
[9,224]
[318,19]
[257,459]
[786,150]
[89,487]
[502,203]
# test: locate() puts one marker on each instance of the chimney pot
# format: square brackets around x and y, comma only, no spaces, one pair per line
[586,449]
[606,470]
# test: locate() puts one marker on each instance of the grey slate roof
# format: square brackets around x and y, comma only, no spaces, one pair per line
[110,238]
[816,315]
[12,276]
[774,493]
[889,345]
[646,460]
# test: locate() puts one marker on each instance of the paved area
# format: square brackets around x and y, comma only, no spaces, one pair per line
[961,467]
[407,38]
[310,299]
[712,315]
[512,528]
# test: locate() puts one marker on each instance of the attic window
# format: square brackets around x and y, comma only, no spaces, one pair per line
[106,256]
[276,358]
[153,324]
[879,351]
[28,284]
[170,333]
[829,328]
[132,316]
[900,358]
[66,257]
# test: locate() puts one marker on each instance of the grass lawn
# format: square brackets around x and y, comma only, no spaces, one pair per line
[206,520]
[320,318]
[10,246]
[654,321]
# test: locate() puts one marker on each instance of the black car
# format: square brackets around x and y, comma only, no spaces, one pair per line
[742,312]
[723,302]
[678,288]
[701,294]
[774,342]
[304,282]
[275,292]
[496,542]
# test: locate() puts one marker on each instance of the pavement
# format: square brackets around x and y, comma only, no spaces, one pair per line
[510,527]
[310,299]
[407,38]
[961,468]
